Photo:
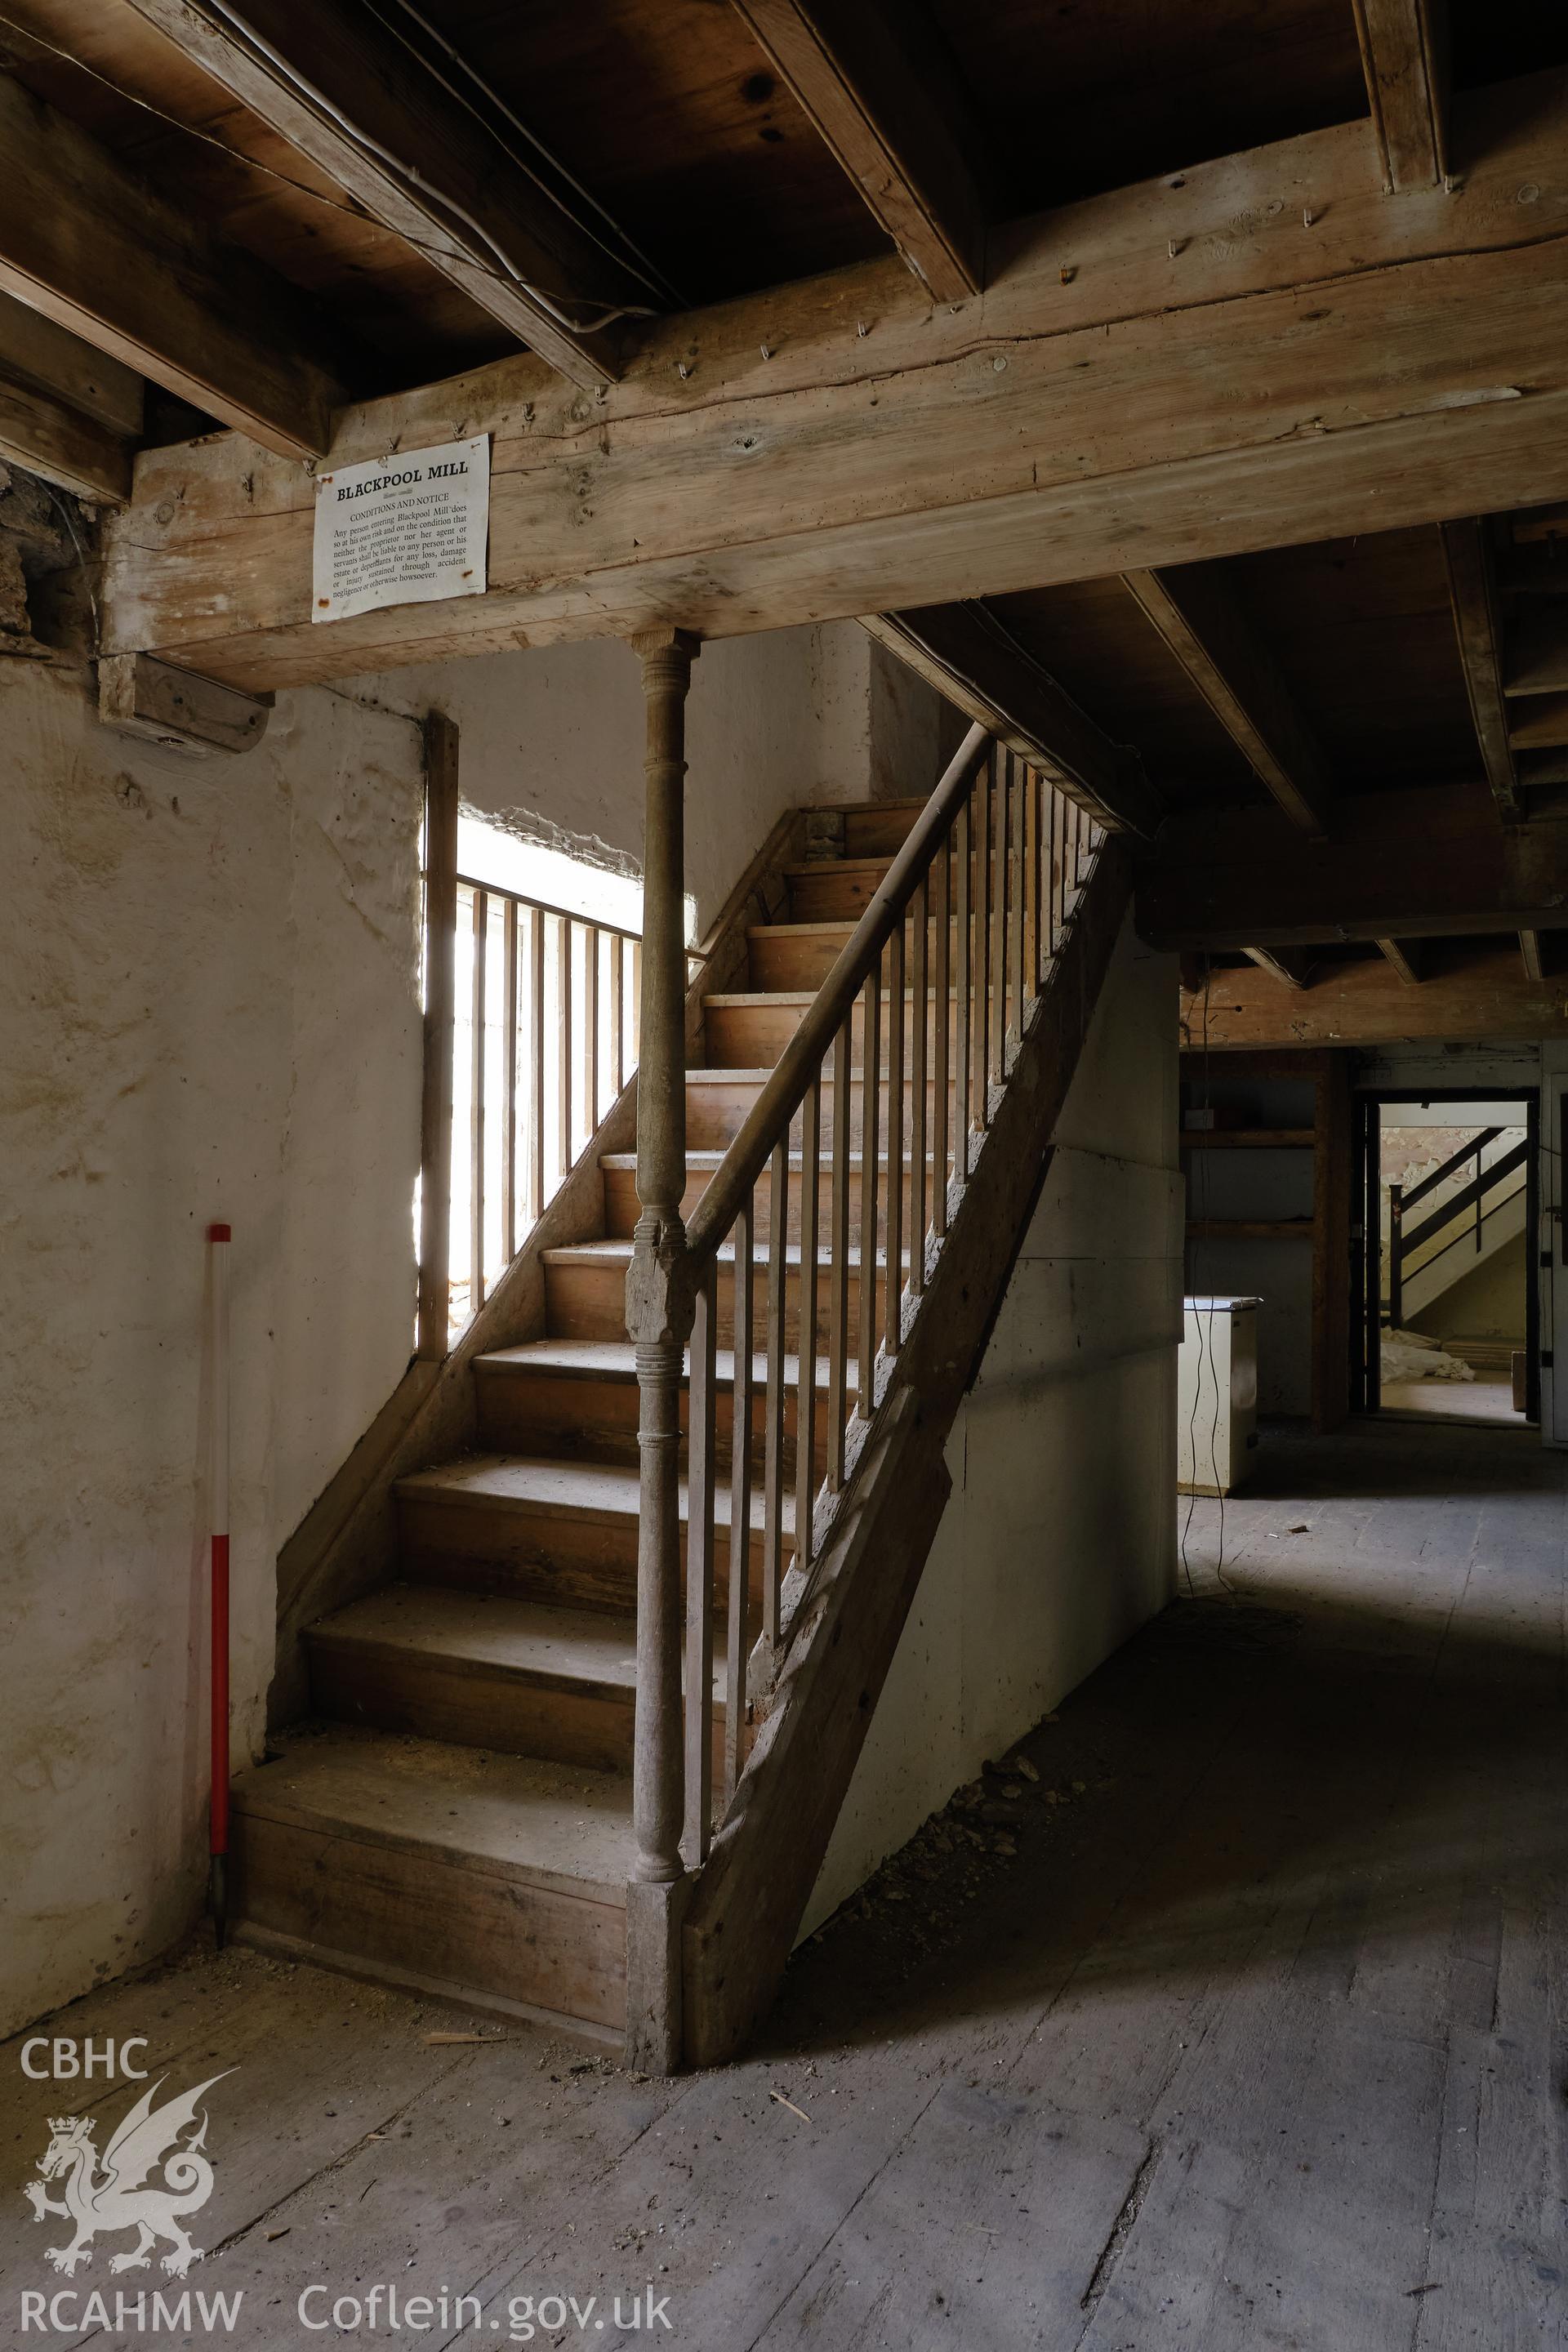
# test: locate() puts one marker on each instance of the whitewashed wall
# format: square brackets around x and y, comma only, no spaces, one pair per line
[211,1013]
[1058,1538]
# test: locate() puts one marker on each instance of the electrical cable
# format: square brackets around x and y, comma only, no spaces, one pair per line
[415,179]
[337,203]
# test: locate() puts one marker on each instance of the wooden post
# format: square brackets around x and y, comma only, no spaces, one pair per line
[440,986]
[659,1310]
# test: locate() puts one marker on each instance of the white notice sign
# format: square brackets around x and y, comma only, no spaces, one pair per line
[403,530]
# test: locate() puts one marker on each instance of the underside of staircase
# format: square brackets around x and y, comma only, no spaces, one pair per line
[455,1813]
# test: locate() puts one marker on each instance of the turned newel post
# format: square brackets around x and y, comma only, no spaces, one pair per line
[659,1305]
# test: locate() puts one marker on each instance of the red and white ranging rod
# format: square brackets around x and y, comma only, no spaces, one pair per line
[218,1507]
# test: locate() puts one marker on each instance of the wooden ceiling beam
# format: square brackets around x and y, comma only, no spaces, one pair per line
[968,654]
[1199,619]
[1407,957]
[384,126]
[95,249]
[67,411]
[764,464]
[1404,51]
[853,68]
[1293,966]
[1473,597]
[1481,992]
[1420,862]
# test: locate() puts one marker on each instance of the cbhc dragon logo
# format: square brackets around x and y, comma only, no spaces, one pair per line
[116,2196]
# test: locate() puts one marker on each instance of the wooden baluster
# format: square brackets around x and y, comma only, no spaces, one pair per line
[590,1027]
[893,1320]
[700,1578]
[1039,802]
[805,1346]
[618,1010]
[636,1002]
[838,1266]
[774,1406]
[509,1077]
[1002,912]
[737,1642]
[564,1044]
[435,1301]
[962,1016]
[477,1104]
[941,1015]
[981,1054]
[870,1080]
[1020,797]
[659,1316]
[922,1006]
[536,1063]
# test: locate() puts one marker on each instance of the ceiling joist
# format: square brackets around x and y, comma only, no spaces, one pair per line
[973,660]
[1474,600]
[1407,957]
[1199,619]
[764,464]
[86,243]
[1404,53]
[67,411]
[1419,862]
[391,129]
[851,66]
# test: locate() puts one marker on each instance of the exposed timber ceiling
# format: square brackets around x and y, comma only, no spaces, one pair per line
[1180,389]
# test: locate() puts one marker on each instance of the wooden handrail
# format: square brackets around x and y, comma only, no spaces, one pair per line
[801,1058]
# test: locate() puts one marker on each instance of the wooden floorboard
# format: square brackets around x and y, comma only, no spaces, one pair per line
[1260,2041]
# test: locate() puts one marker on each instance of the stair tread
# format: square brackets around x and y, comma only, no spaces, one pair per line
[555,1824]
[616,1249]
[627,1160]
[516,1636]
[589,1489]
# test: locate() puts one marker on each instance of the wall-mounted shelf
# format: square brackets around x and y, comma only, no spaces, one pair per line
[1243,1139]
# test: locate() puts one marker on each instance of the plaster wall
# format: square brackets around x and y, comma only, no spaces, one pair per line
[1059,1538]
[211,1012]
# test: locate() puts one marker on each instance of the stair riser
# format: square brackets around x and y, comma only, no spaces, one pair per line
[475,1706]
[562,1560]
[753,1036]
[621,1202]
[592,1420]
[589,1302]
[717,1110]
[785,958]
[432,1918]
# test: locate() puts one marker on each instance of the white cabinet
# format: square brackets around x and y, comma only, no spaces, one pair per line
[1216,1395]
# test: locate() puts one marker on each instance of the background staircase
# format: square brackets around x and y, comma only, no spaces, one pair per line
[456,1814]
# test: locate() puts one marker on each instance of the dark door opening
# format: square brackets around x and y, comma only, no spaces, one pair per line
[1446,1311]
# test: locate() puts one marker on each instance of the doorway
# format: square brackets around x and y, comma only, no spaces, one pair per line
[1449,1313]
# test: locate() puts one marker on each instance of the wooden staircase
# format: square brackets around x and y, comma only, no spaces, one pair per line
[456,1814]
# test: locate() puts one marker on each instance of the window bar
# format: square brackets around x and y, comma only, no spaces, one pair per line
[590,1026]
[737,1642]
[699,1573]
[921,1002]
[535,1065]
[563,1041]
[838,1263]
[477,1107]
[897,1002]
[805,1345]
[618,1011]
[773,1411]
[871,1080]
[941,1015]
[508,1074]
